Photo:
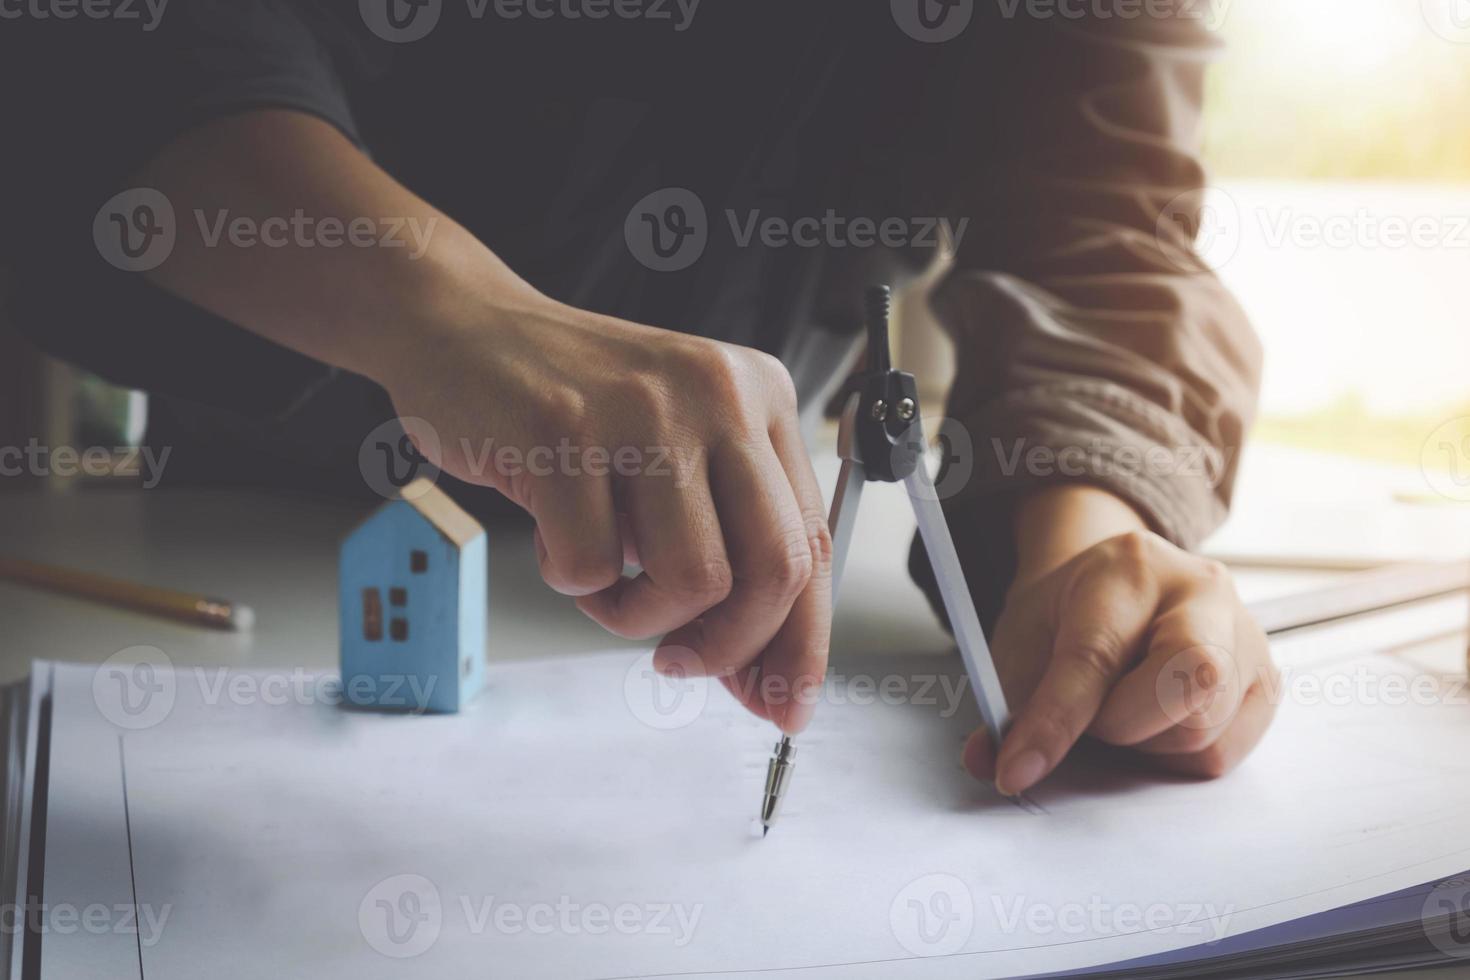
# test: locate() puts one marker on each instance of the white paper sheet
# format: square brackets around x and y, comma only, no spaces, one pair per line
[573,825]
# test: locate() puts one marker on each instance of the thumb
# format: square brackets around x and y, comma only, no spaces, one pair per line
[1101,622]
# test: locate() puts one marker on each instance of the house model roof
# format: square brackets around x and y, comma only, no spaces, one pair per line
[441,511]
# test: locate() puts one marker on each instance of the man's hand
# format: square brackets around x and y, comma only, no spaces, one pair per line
[624,441]
[678,453]
[1113,633]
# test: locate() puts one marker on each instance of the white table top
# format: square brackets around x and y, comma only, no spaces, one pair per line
[279,555]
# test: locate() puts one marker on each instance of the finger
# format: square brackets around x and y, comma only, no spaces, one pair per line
[745,686]
[1207,714]
[793,666]
[1101,623]
[1180,702]
[682,550]
[1241,736]
[1189,678]
[978,755]
[1200,690]
[770,558]
[577,541]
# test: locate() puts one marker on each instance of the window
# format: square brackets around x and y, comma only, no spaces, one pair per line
[372,615]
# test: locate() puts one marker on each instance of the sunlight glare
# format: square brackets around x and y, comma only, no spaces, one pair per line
[1350,35]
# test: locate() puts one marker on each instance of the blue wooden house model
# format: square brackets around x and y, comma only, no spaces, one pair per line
[413,602]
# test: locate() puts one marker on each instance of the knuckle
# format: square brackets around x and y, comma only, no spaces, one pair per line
[1135,548]
[1198,659]
[719,372]
[1208,577]
[1219,661]
[563,411]
[644,393]
[707,582]
[1129,560]
[1097,653]
[791,565]
[819,541]
[777,379]
[1214,571]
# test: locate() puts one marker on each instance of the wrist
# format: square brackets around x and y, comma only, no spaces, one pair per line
[460,299]
[1055,524]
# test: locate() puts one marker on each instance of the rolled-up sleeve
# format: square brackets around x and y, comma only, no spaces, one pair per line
[1092,343]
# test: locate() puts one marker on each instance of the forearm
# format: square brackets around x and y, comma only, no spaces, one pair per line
[1092,345]
[361,305]
[1055,524]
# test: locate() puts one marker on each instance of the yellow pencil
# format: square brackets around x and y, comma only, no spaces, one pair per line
[201,610]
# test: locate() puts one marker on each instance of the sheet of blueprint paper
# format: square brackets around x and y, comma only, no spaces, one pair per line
[585,819]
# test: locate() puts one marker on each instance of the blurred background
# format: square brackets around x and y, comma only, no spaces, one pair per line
[1337,137]
[1337,141]
[1339,213]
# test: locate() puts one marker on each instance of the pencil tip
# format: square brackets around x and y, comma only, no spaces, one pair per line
[765,829]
